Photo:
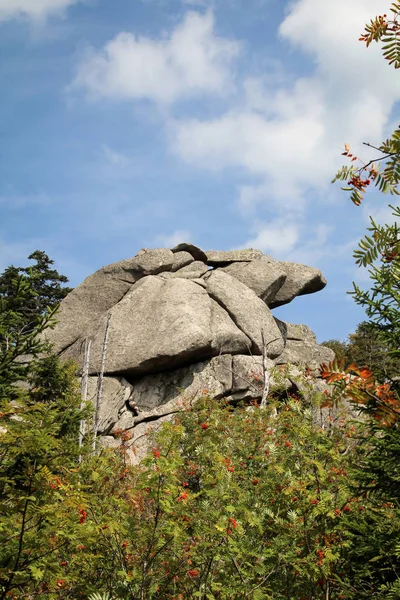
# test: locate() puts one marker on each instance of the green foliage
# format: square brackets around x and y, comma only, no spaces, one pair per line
[373,557]
[382,29]
[382,301]
[382,243]
[244,503]
[259,494]
[380,250]
[39,447]
[360,176]
[39,421]
[340,349]
[367,348]
[46,286]
[18,342]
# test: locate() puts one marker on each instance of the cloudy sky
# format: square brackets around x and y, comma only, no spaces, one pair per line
[143,123]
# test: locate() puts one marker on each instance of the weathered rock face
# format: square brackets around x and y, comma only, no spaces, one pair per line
[159,324]
[248,311]
[180,322]
[262,275]
[300,280]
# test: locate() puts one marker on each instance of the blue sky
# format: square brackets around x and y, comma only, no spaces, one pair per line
[143,123]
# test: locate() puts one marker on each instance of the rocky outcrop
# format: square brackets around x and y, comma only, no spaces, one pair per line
[159,324]
[217,258]
[262,275]
[181,323]
[80,310]
[300,280]
[248,311]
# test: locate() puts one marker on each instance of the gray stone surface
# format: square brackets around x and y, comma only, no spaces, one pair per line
[159,324]
[184,385]
[298,352]
[300,280]
[116,392]
[194,270]
[248,312]
[181,259]
[262,276]
[300,333]
[185,324]
[196,252]
[220,257]
[227,338]
[152,262]
[292,331]
[80,310]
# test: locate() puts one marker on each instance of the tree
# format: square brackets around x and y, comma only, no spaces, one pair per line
[366,348]
[378,474]
[19,338]
[39,450]
[40,416]
[341,349]
[380,250]
[46,286]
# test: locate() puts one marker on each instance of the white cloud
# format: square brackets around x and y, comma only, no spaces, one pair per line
[290,136]
[192,60]
[278,237]
[173,239]
[285,136]
[381,212]
[115,158]
[314,247]
[33,9]
[296,241]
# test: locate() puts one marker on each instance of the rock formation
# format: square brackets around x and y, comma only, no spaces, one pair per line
[179,322]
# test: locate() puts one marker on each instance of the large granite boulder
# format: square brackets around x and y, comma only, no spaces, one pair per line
[182,323]
[248,311]
[80,310]
[300,280]
[194,251]
[174,322]
[298,352]
[193,270]
[116,392]
[218,258]
[262,275]
[159,324]
[181,259]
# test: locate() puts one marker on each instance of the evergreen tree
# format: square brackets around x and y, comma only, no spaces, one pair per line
[366,348]
[39,424]
[46,284]
[19,338]
[341,349]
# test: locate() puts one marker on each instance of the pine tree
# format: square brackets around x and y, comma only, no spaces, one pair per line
[46,284]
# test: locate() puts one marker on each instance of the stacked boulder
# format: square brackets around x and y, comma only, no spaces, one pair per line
[179,322]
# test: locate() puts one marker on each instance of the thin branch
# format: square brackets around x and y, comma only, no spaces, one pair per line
[100,381]
[84,386]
